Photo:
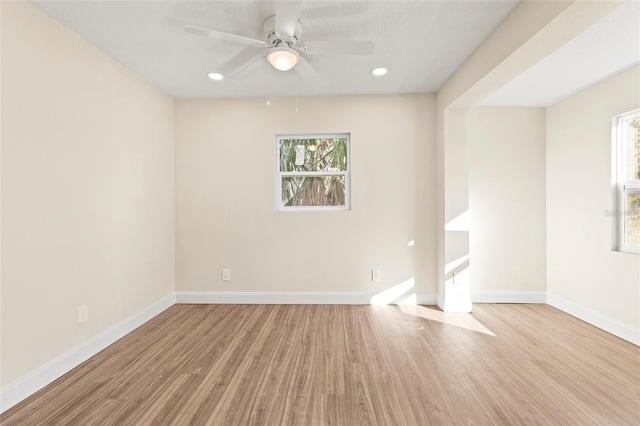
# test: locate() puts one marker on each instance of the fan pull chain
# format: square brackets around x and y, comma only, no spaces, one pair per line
[296,86]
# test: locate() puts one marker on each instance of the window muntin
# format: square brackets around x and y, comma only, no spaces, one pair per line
[627,149]
[313,172]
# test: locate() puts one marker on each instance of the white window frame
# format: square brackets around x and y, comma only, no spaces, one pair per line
[622,187]
[347,174]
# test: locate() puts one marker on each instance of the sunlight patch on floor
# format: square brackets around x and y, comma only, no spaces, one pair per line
[462,320]
[404,296]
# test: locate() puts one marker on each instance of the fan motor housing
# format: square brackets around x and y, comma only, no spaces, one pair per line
[275,39]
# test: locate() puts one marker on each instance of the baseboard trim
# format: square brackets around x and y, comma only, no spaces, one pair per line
[461,306]
[271,298]
[430,299]
[26,386]
[287,298]
[610,325]
[509,297]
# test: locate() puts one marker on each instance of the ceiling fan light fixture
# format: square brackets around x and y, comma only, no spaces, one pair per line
[283,58]
[379,72]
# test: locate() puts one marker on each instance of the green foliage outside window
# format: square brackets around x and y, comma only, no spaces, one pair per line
[635,128]
[324,155]
[632,199]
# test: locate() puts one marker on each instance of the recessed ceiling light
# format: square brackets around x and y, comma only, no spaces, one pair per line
[379,71]
[215,76]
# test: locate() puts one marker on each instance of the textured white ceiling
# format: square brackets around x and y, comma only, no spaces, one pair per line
[609,46]
[421,42]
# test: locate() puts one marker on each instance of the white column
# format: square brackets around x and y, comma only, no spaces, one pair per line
[455,295]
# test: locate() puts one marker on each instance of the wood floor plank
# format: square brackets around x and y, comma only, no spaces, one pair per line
[349,365]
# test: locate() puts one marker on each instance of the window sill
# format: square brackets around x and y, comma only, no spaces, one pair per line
[628,250]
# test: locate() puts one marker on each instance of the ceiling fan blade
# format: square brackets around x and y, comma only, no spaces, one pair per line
[309,74]
[224,36]
[242,62]
[287,17]
[345,47]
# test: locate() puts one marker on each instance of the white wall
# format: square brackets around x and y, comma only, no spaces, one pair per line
[532,31]
[225,165]
[87,190]
[582,268]
[507,199]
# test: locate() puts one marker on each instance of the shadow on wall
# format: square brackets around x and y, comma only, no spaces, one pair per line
[456,270]
[399,294]
[457,267]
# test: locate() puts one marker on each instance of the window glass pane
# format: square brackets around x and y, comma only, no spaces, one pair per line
[313,191]
[632,217]
[631,147]
[315,155]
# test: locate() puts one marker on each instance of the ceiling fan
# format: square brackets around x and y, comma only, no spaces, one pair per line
[282,46]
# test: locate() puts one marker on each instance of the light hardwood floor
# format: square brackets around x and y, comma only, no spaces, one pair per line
[349,365]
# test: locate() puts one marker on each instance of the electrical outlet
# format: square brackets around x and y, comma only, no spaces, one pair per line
[83,313]
[375,275]
[226,275]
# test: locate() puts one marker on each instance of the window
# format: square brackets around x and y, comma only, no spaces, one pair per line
[627,166]
[313,172]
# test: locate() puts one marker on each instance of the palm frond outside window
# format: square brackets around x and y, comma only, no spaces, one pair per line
[313,172]
[627,165]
